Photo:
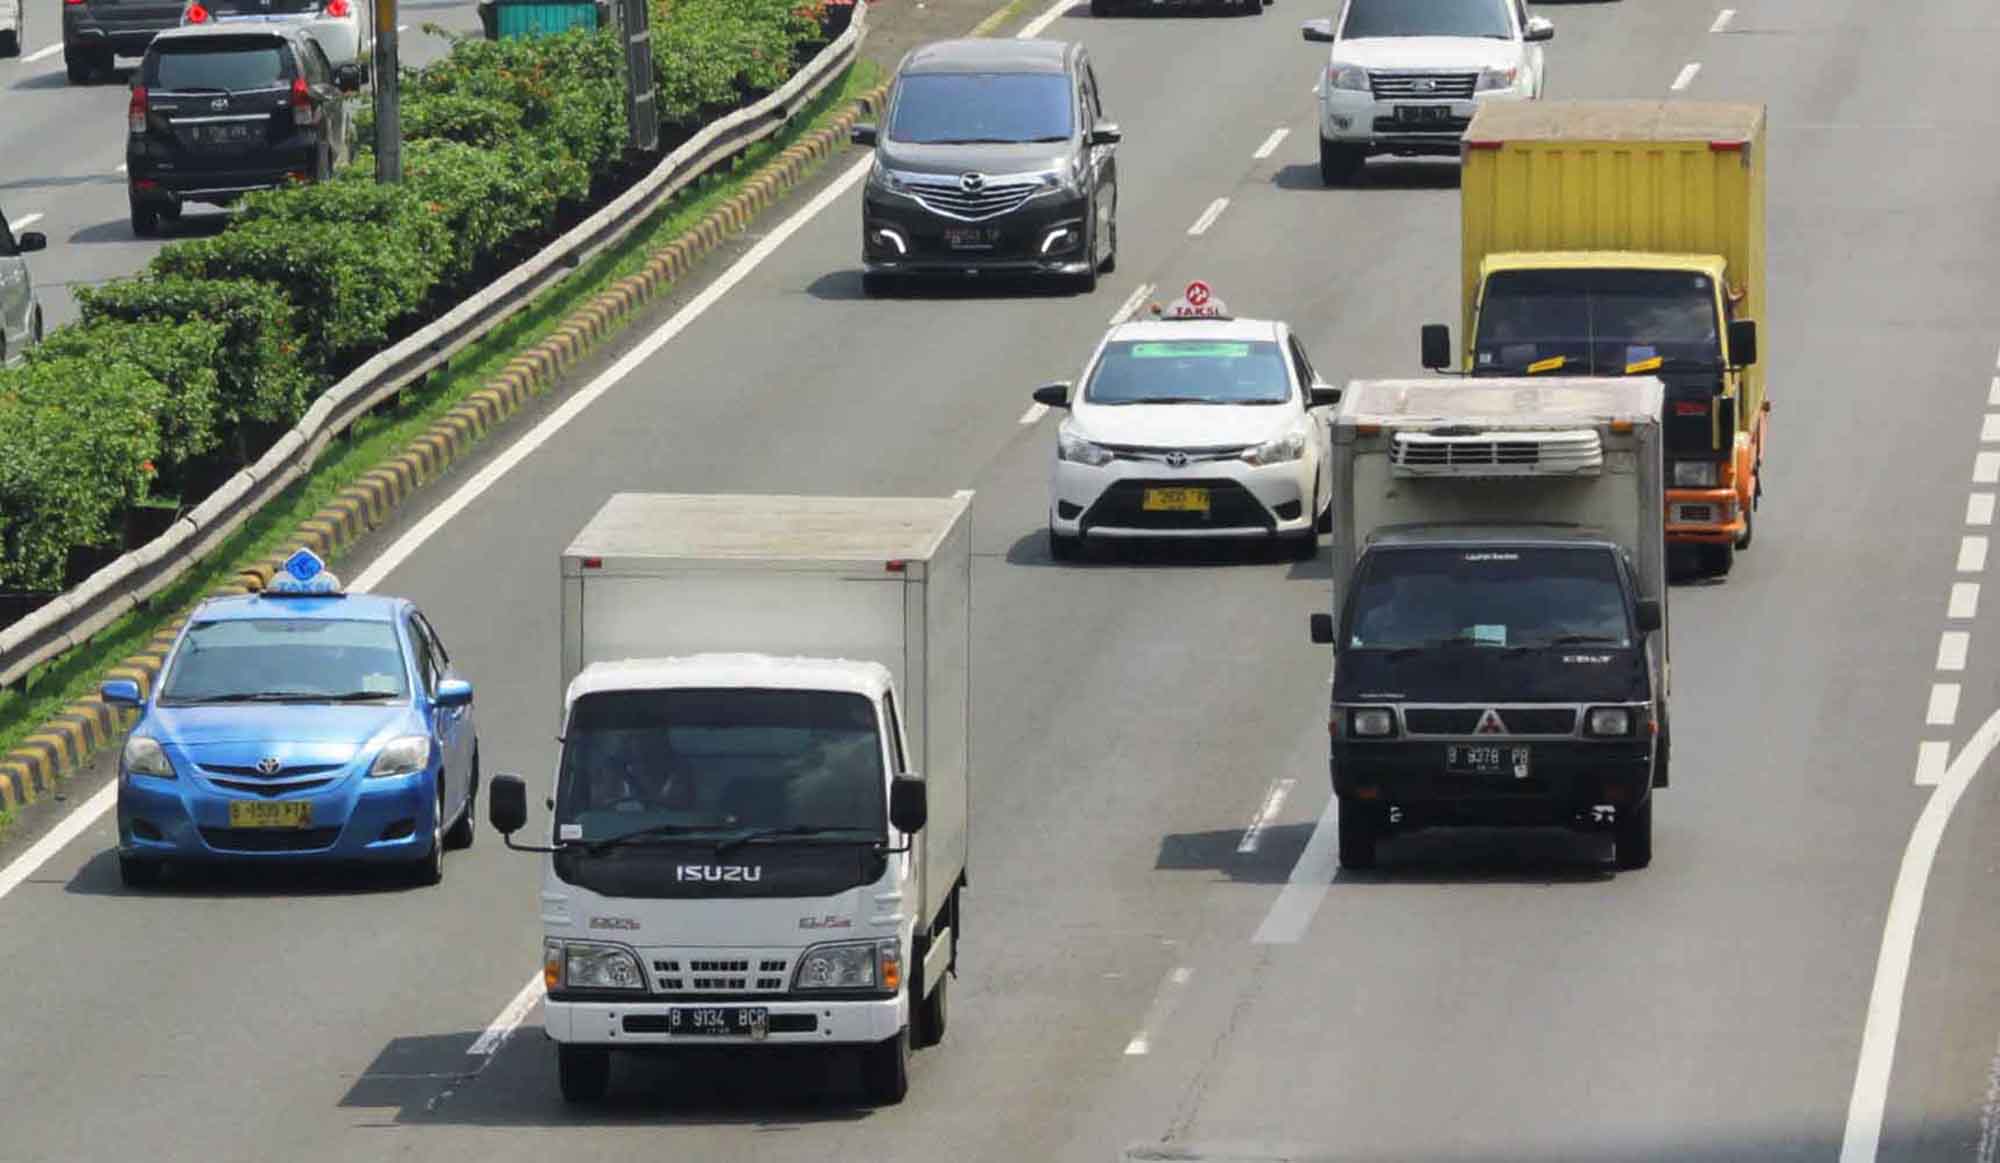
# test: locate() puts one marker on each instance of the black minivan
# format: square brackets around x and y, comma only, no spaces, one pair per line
[994,156]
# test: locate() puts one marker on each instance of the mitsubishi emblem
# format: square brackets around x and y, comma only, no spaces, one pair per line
[1177,459]
[269,765]
[972,183]
[1490,724]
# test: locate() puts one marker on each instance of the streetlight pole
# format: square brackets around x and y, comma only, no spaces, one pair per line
[388,95]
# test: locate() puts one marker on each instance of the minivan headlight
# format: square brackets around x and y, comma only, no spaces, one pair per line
[1696,474]
[881,177]
[144,756]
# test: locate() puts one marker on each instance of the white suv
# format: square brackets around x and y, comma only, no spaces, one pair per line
[1404,76]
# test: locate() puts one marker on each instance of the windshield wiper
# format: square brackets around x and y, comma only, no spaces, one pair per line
[982,141]
[595,847]
[1585,640]
[1162,400]
[754,834]
[267,697]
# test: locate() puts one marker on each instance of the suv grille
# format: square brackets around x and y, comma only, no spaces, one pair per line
[1423,86]
[946,197]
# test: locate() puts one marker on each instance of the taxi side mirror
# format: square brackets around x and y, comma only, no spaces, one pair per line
[507,804]
[1436,339]
[453,692]
[1322,396]
[1742,342]
[909,804]
[1318,31]
[1651,616]
[862,135]
[121,692]
[1053,395]
[1321,626]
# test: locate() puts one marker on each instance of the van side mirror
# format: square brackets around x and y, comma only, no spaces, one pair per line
[1437,346]
[1322,396]
[1742,342]
[30,240]
[347,78]
[862,135]
[1052,395]
[909,804]
[1318,31]
[507,804]
[1651,616]
[1322,629]
[121,692]
[1106,133]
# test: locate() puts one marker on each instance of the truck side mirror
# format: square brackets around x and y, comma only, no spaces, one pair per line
[909,804]
[507,804]
[1322,629]
[1437,346]
[862,135]
[1742,342]
[1651,616]
[1052,395]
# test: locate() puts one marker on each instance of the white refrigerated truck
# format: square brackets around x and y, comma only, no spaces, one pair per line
[761,806]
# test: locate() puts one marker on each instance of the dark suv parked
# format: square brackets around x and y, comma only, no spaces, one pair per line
[993,156]
[97,32]
[220,111]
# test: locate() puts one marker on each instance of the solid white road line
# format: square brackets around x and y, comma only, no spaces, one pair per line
[1034,27]
[1722,20]
[1933,756]
[1162,1005]
[1952,646]
[1273,800]
[1971,554]
[42,53]
[510,1019]
[1869,1099]
[1943,708]
[1271,143]
[1687,76]
[589,394]
[1208,217]
[1299,900]
[1979,509]
[1986,468]
[1130,306]
[69,828]
[17,225]
[1964,601]
[1034,414]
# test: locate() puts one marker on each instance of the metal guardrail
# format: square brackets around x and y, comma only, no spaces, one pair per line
[119,587]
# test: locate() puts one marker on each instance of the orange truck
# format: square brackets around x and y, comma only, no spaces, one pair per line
[1627,238]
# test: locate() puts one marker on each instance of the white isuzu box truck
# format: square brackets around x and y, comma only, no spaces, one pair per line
[760,811]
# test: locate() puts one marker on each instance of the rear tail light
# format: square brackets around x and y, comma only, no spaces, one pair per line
[302,106]
[72,1]
[338,9]
[135,114]
[196,14]
[1690,407]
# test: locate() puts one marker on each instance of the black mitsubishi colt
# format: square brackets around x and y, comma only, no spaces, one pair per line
[993,157]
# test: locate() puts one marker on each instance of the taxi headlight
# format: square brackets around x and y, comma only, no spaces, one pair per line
[144,756]
[1696,474]
[405,756]
[1493,78]
[1608,721]
[586,965]
[1351,77]
[851,965]
[1072,447]
[1289,447]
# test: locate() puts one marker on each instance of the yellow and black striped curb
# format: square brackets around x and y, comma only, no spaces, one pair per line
[65,742]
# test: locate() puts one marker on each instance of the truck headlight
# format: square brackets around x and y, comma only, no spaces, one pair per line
[1371,722]
[403,756]
[1353,78]
[144,756]
[1609,722]
[1494,78]
[851,965]
[589,965]
[1696,474]
[1072,447]
[1289,447]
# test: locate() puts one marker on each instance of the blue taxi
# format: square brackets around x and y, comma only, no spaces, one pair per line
[299,724]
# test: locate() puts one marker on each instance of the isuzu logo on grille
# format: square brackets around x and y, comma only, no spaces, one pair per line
[1490,724]
[972,183]
[269,765]
[742,873]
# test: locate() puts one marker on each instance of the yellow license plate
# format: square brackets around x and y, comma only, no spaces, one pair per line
[257,814]
[1176,501]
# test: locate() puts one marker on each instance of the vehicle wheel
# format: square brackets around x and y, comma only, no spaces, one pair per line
[1634,836]
[429,869]
[583,1072]
[885,1070]
[1110,262]
[465,828]
[145,220]
[1749,527]
[78,68]
[1100,8]
[1063,546]
[171,212]
[136,873]
[1360,831]
[1087,281]
[1717,560]
[1324,522]
[875,286]
[35,327]
[934,1015]
[1339,164]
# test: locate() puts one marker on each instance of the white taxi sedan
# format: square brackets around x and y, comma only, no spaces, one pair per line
[1192,427]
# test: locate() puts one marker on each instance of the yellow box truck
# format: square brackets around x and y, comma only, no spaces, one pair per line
[1627,238]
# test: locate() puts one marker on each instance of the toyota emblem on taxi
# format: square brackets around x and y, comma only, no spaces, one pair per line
[972,183]
[1177,459]
[269,765]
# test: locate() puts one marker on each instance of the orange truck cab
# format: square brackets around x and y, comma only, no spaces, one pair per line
[1627,238]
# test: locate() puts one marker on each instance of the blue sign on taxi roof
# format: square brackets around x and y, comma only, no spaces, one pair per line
[304,573]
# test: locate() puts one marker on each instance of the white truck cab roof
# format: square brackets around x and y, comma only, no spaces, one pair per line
[742,671]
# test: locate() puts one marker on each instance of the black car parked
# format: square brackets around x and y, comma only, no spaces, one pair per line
[218,112]
[97,32]
[994,156]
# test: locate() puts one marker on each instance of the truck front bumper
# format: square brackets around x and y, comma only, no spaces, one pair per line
[642,1023]
[1705,516]
[1566,780]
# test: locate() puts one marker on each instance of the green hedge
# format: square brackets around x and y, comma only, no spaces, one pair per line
[224,341]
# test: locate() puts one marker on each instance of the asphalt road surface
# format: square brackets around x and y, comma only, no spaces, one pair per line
[62,153]
[1143,977]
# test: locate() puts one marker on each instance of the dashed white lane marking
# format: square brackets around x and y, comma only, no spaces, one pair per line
[1722,20]
[1687,76]
[1131,304]
[1869,1099]
[502,1028]
[1964,601]
[1271,143]
[1034,27]
[1163,1004]
[1986,468]
[1034,413]
[1979,509]
[1932,758]
[1993,392]
[1971,554]
[27,863]
[1952,648]
[402,28]
[17,225]
[1989,1114]
[120,169]
[1989,429]
[1299,900]
[1273,800]
[42,53]
[1943,709]
[1208,217]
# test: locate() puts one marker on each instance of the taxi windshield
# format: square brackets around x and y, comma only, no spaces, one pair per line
[1190,371]
[981,109]
[1526,597]
[286,660]
[1596,323]
[1481,18]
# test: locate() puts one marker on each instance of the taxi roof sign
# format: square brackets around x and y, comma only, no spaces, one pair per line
[303,575]
[1197,301]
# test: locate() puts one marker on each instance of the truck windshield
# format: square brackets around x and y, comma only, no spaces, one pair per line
[1597,323]
[722,759]
[1189,371]
[1504,597]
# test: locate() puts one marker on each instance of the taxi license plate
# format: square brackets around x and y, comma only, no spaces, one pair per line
[1485,759]
[259,814]
[1175,501]
[971,237]
[719,1021]
[1423,114]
